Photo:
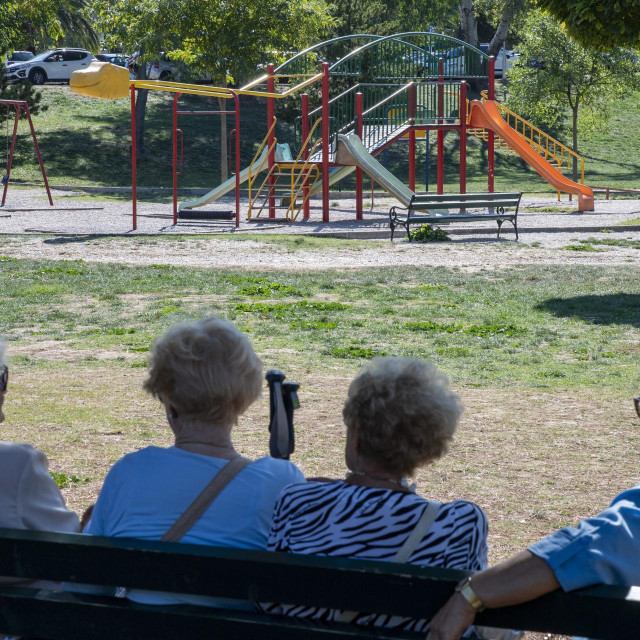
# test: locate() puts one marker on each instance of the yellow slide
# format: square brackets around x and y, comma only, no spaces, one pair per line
[228,185]
[485,115]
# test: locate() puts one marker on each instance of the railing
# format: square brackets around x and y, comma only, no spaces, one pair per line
[412,56]
[551,149]
[300,184]
[253,173]
[428,96]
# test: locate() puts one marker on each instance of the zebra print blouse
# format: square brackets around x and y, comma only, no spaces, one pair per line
[338,519]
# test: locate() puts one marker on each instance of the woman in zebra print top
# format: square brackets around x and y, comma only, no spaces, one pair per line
[400,414]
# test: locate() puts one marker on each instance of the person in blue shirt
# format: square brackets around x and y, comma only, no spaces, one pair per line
[604,549]
[206,375]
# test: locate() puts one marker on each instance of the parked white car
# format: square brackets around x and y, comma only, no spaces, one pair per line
[504,59]
[55,65]
[165,69]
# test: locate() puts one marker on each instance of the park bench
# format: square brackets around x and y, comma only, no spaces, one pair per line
[605,613]
[494,203]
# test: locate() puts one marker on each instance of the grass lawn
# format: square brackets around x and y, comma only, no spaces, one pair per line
[545,359]
[86,142]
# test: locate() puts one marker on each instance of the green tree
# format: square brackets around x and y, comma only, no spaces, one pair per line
[76,23]
[18,91]
[225,40]
[602,24]
[556,73]
[497,16]
[144,26]
[229,39]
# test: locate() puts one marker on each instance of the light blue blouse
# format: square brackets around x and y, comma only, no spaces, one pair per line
[604,549]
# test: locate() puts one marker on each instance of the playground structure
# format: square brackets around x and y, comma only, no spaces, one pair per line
[380,89]
[19,105]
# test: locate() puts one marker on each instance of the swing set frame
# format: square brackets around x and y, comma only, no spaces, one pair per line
[19,105]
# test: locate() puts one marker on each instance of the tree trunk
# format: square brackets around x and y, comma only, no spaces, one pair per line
[511,7]
[468,23]
[574,113]
[141,107]
[224,166]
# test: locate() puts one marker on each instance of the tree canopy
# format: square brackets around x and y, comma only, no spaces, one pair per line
[556,73]
[602,24]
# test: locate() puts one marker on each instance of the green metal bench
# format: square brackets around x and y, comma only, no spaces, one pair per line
[495,203]
[605,613]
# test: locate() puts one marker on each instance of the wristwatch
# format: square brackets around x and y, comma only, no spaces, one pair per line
[464,589]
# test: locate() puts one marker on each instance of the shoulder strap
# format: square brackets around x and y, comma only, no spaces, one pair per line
[419,531]
[207,496]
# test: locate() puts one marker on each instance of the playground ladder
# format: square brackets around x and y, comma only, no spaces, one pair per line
[286,180]
[552,150]
[292,182]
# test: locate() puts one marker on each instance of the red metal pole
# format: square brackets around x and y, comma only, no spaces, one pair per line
[412,138]
[134,168]
[305,151]
[440,171]
[175,157]
[271,110]
[491,136]
[237,106]
[17,106]
[463,137]
[359,170]
[35,144]
[325,142]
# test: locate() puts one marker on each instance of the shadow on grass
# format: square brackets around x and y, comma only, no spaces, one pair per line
[616,308]
[71,239]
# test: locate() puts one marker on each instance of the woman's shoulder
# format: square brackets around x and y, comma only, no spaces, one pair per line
[463,511]
[276,469]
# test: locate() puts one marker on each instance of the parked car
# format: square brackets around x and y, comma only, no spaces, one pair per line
[504,60]
[19,56]
[165,69]
[119,59]
[54,65]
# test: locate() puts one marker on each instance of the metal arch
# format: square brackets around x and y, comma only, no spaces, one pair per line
[326,43]
[397,36]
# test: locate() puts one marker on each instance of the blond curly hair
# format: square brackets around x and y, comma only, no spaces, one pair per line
[207,370]
[404,412]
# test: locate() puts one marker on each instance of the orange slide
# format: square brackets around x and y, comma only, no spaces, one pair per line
[485,115]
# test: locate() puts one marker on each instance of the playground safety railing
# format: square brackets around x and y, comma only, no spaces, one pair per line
[342,107]
[427,94]
[434,102]
[253,170]
[301,182]
[551,149]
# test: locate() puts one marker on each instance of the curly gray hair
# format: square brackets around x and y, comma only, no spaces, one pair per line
[404,412]
[207,370]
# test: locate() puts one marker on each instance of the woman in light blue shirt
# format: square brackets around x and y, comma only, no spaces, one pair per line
[205,374]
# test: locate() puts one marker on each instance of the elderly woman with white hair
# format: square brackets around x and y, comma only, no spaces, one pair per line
[29,497]
[400,415]
[200,490]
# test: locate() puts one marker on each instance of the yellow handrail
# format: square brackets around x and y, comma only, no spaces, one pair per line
[538,139]
[295,186]
[250,179]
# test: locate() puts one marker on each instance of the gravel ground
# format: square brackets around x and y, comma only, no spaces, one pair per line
[543,236]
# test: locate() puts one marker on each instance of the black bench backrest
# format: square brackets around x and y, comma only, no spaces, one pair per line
[602,612]
[484,197]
